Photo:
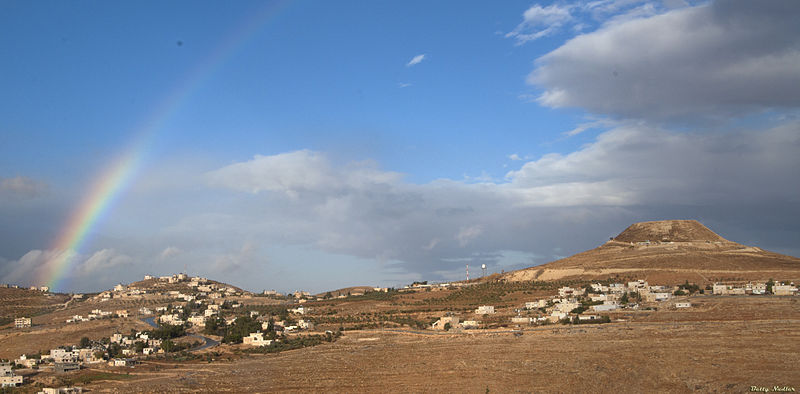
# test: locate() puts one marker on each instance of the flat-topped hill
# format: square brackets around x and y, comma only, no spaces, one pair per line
[668,251]
[668,231]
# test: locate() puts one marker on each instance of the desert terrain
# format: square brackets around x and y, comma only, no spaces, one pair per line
[383,340]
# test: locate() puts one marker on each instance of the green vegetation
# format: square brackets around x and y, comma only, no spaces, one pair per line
[167,331]
[95,376]
[242,327]
[295,343]
[171,347]
[85,342]
[689,288]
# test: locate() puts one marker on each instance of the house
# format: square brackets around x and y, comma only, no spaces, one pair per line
[22,322]
[145,311]
[556,316]
[122,312]
[521,320]
[784,290]
[588,317]
[7,376]
[199,321]
[120,287]
[444,321]
[657,296]
[147,351]
[27,362]
[638,285]
[256,339]
[305,324]
[683,304]
[121,362]
[605,307]
[567,306]
[300,310]
[66,367]
[61,390]
[44,289]
[468,324]
[718,289]
[61,356]
[116,338]
[485,310]
[536,304]
[567,291]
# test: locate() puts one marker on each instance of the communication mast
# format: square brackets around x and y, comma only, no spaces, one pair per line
[467,272]
[483,267]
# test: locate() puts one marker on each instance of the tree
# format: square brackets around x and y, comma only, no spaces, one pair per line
[85,342]
[114,349]
[168,345]
[624,298]
[447,326]
[242,327]
[769,286]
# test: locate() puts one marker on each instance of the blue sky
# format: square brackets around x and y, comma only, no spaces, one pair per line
[305,138]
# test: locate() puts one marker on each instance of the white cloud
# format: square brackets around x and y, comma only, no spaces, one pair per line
[416,60]
[169,252]
[467,234]
[514,157]
[298,172]
[538,21]
[103,260]
[245,256]
[21,187]
[709,62]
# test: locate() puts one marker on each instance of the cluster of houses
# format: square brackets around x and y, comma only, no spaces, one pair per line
[43,289]
[573,302]
[98,314]
[780,289]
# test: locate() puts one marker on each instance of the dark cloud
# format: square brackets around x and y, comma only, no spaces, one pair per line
[725,59]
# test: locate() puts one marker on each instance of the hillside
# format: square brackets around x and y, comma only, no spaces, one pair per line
[668,251]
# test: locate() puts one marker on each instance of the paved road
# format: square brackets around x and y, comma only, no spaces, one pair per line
[208,341]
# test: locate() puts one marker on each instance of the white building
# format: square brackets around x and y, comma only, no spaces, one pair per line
[256,339]
[467,324]
[485,310]
[536,304]
[784,290]
[7,377]
[22,322]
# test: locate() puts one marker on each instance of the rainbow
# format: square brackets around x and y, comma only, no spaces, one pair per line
[111,183]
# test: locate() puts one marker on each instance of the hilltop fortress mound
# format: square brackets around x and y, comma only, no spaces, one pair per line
[668,231]
[668,251]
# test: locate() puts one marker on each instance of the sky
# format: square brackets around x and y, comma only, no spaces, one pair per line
[317,145]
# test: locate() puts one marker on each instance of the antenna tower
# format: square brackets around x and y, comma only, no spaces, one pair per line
[467,272]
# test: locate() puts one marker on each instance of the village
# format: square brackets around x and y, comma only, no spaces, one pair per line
[204,313]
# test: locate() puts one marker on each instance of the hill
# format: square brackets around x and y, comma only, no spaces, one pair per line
[668,251]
